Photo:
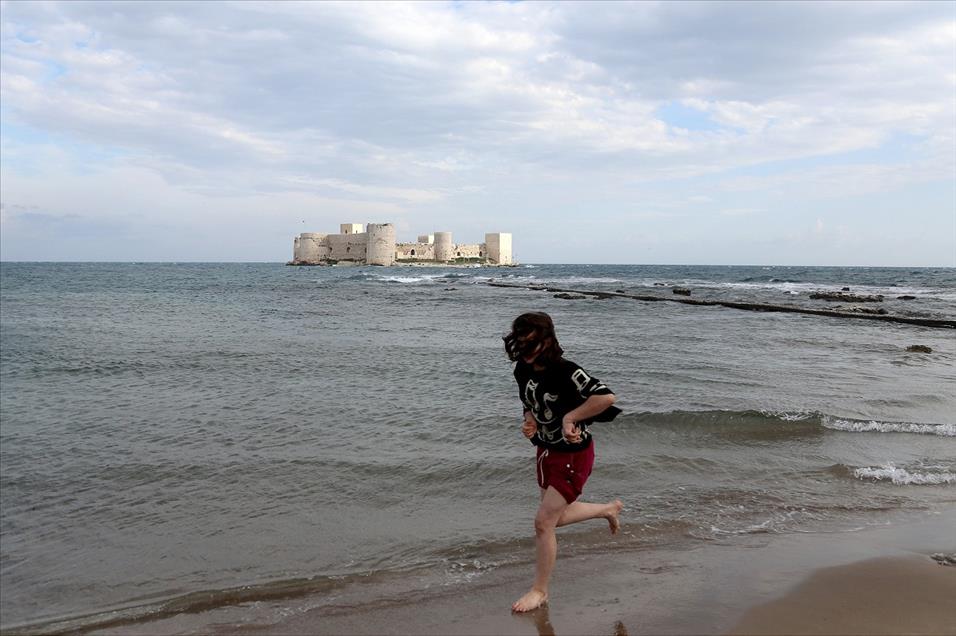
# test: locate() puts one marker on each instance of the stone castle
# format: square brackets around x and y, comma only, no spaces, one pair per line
[375,244]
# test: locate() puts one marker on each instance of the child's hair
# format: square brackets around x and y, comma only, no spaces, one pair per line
[527,332]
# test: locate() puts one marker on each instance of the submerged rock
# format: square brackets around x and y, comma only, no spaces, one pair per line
[919,349]
[569,296]
[681,291]
[847,298]
[863,310]
[944,559]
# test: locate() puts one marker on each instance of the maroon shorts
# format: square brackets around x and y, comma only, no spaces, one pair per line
[565,472]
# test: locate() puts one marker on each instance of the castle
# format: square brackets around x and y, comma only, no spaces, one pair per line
[375,244]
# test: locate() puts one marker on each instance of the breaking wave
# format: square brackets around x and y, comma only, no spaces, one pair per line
[903,477]
[873,426]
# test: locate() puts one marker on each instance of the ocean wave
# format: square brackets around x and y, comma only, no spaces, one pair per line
[768,424]
[421,278]
[788,416]
[408,279]
[903,477]
[562,280]
[873,426]
[757,419]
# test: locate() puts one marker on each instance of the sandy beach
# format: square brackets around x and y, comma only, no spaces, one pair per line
[903,595]
[873,581]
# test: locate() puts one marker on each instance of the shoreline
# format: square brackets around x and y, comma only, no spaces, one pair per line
[809,583]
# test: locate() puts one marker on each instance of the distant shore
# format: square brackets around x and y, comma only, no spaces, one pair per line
[402,264]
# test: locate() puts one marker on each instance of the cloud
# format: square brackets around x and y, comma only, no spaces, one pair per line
[425,110]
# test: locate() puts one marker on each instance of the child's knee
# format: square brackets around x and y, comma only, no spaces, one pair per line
[546,521]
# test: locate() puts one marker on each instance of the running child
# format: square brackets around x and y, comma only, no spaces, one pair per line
[560,400]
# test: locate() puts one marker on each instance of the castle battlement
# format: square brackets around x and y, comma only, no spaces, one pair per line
[374,244]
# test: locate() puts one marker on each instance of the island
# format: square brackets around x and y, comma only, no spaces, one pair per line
[374,244]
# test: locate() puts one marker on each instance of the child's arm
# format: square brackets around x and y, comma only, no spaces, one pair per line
[594,405]
[530,425]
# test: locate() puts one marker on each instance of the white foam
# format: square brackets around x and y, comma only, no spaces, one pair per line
[851,426]
[425,278]
[559,280]
[903,477]
[403,279]
[787,416]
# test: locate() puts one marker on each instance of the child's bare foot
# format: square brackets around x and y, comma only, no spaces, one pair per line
[613,515]
[532,600]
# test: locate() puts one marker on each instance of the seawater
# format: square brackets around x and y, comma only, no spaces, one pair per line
[178,437]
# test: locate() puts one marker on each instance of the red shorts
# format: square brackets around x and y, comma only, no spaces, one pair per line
[565,472]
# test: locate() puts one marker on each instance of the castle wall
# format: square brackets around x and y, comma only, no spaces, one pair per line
[348,247]
[468,251]
[417,251]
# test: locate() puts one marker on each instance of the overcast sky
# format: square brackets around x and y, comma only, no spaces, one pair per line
[739,133]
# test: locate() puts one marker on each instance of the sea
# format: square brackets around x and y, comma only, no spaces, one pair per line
[184,438]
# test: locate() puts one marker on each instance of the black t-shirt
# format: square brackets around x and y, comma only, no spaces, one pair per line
[552,393]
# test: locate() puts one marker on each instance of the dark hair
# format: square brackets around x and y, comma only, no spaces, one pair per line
[527,332]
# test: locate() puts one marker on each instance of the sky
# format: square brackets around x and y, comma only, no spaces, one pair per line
[807,133]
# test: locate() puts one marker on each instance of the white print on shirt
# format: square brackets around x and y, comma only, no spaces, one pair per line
[542,411]
[582,380]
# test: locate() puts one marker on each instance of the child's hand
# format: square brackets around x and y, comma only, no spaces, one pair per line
[570,430]
[530,426]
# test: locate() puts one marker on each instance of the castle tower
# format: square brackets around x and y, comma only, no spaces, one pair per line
[443,246]
[498,245]
[312,248]
[381,244]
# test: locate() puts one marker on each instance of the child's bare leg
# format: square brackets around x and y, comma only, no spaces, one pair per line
[580,511]
[546,548]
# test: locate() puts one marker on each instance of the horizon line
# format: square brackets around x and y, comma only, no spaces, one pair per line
[284,263]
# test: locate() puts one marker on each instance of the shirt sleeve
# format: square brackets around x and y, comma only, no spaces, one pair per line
[586,384]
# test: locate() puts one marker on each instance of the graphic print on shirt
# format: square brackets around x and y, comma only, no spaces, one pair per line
[581,380]
[541,408]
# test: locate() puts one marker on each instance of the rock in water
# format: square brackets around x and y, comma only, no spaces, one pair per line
[944,559]
[906,298]
[681,291]
[919,349]
[569,296]
[845,297]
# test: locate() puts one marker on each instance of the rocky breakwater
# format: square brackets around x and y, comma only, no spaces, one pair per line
[840,312]
[847,297]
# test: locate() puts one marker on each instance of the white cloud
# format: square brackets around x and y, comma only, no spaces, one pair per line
[484,109]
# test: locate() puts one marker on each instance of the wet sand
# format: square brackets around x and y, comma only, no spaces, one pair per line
[876,580]
[881,596]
